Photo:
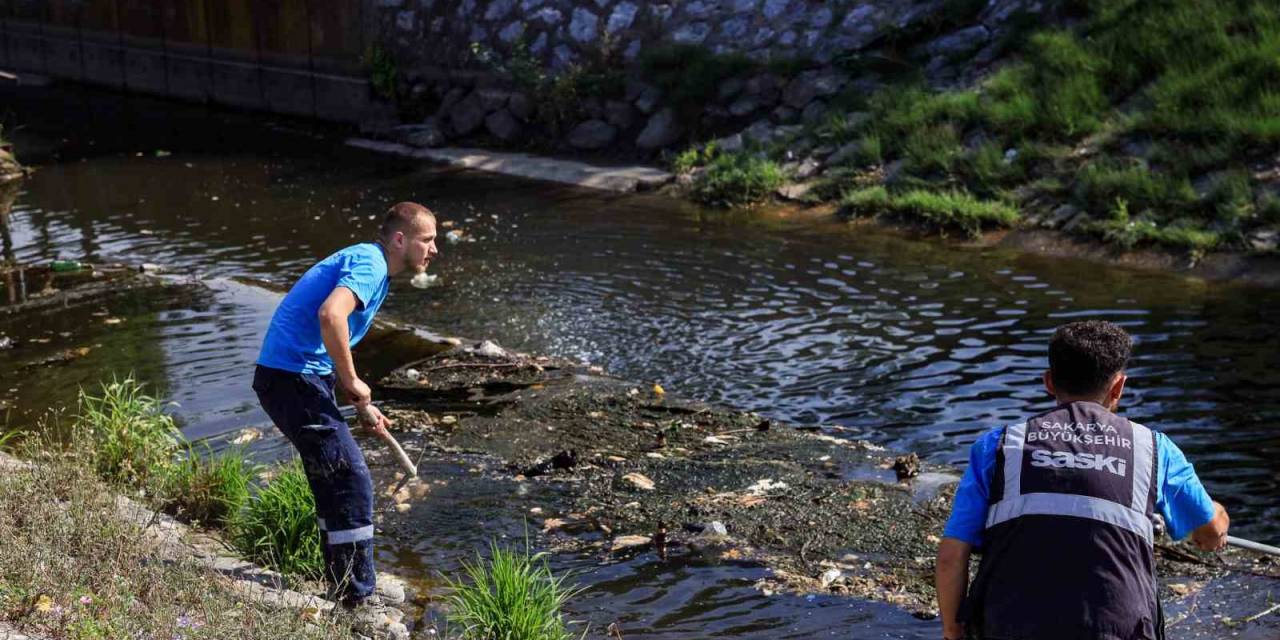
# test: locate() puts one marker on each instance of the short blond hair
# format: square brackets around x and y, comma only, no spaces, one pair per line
[400,216]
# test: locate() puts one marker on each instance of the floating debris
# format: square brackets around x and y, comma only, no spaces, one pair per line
[640,481]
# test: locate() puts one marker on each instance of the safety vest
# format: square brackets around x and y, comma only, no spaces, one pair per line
[1067,551]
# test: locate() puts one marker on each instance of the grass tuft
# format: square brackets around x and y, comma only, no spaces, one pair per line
[277,526]
[209,488]
[941,211]
[736,179]
[513,595]
[132,438]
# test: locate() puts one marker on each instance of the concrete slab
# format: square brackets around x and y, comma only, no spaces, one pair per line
[523,165]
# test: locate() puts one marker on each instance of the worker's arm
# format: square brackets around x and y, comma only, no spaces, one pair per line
[1212,535]
[337,342]
[951,578]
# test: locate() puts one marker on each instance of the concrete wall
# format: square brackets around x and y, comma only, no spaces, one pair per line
[297,57]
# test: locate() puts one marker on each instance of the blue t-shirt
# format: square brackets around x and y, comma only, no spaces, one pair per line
[1180,498]
[293,340]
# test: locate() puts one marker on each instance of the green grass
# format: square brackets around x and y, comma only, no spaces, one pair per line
[737,179]
[1195,84]
[941,211]
[132,439]
[513,596]
[277,526]
[209,488]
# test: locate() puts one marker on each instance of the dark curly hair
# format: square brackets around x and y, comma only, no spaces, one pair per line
[1083,356]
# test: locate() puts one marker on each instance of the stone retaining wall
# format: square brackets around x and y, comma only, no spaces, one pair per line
[454,59]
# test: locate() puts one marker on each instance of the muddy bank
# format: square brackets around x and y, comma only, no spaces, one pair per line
[620,469]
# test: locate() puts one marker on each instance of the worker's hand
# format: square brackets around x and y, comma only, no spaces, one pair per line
[357,392]
[1212,536]
[372,419]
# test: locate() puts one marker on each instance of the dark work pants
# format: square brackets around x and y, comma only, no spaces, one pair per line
[304,409]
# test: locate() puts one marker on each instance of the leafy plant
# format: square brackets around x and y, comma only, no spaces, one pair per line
[513,595]
[277,527]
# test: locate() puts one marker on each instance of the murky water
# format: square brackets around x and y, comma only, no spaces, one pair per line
[920,345]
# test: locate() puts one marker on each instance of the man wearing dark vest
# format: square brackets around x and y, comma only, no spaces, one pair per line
[1062,508]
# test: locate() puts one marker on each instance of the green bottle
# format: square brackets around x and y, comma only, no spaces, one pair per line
[67,266]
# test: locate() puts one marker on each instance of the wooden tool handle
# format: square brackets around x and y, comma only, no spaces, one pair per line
[401,457]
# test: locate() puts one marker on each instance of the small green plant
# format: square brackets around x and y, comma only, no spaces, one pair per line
[209,487]
[942,211]
[694,157]
[277,527]
[383,71]
[513,595]
[132,439]
[737,179]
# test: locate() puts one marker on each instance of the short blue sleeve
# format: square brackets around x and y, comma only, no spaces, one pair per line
[969,511]
[362,271]
[1180,498]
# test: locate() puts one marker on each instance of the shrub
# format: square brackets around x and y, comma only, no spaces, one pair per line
[1122,229]
[1098,186]
[513,595]
[736,179]
[277,527]
[132,440]
[383,71]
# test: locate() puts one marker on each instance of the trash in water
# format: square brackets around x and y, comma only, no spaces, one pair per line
[454,236]
[425,280]
[488,349]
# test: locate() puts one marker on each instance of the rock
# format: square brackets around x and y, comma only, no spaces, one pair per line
[622,543]
[592,134]
[1265,240]
[593,107]
[796,191]
[662,130]
[451,97]
[735,29]
[960,42]
[391,589]
[488,349]
[730,88]
[1076,221]
[621,18]
[692,33]
[492,99]
[1062,215]
[809,85]
[427,134]
[584,26]
[814,112]
[467,115]
[763,83]
[784,115]
[774,8]
[807,168]
[639,481]
[648,99]
[502,125]
[561,461]
[520,106]
[405,21]
[499,9]
[619,114]
[845,153]
[730,144]
[760,132]
[744,105]
[547,16]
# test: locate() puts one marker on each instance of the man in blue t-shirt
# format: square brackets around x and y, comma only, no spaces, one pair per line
[306,355]
[1062,508]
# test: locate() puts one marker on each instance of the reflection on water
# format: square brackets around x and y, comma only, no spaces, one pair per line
[921,345]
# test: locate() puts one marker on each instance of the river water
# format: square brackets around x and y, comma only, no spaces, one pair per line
[919,345]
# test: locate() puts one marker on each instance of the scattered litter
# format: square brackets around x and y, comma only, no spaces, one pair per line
[535,510]
[658,390]
[246,436]
[150,267]
[488,349]
[403,507]
[640,481]
[113,321]
[761,487]
[448,419]
[161,153]
[6,342]
[829,576]
[454,236]
[715,440]
[622,543]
